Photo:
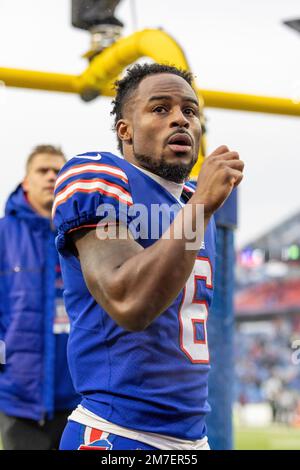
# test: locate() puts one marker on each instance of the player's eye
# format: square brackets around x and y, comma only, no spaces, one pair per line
[190,111]
[160,109]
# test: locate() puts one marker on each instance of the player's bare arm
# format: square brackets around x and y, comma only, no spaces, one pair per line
[135,285]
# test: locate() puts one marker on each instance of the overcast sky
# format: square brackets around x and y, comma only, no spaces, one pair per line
[231,45]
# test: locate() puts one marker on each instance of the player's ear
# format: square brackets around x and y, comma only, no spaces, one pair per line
[124,131]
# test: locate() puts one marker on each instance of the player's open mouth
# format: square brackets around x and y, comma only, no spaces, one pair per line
[180,142]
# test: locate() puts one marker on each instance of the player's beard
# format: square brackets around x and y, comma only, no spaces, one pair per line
[178,173]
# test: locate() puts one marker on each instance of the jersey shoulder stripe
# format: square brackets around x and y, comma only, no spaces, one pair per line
[90,186]
[94,168]
[81,176]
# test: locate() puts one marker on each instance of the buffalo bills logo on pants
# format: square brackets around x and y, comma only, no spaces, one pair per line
[94,439]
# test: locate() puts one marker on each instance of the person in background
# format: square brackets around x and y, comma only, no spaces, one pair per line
[36,391]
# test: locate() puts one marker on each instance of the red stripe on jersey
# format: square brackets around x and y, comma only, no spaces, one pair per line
[92,190]
[82,226]
[90,168]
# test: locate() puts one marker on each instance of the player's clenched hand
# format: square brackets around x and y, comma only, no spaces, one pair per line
[220,173]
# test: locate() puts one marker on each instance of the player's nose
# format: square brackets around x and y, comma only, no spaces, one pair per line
[178,118]
[51,175]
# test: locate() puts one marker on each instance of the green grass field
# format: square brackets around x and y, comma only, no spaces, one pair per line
[270,438]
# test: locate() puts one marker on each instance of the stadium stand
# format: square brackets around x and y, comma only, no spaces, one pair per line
[267,312]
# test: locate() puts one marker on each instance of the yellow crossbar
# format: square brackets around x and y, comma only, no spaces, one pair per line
[159,46]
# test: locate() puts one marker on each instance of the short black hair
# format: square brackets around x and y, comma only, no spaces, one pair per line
[129,83]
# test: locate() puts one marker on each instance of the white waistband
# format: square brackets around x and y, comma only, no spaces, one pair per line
[159,441]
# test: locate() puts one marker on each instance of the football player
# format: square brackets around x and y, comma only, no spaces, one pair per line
[138,289]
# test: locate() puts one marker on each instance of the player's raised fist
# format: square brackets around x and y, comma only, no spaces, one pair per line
[221,171]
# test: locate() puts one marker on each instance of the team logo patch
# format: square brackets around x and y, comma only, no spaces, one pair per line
[94,439]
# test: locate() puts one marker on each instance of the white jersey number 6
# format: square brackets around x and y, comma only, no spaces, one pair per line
[194,311]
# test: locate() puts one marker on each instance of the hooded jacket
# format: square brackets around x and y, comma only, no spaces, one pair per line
[35,380]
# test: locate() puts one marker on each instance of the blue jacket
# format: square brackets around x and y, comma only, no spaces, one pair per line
[35,381]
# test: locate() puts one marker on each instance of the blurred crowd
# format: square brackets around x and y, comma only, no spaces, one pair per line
[268,366]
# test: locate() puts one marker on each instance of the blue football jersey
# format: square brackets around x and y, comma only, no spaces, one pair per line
[155,380]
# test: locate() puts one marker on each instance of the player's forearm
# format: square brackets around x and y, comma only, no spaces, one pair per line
[148,282]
